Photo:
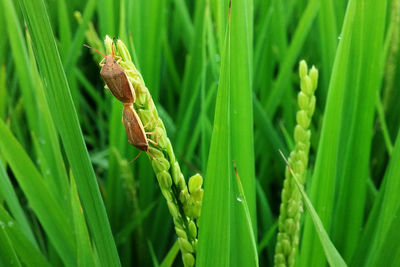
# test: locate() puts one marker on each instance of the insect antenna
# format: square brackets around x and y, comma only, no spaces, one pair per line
[94,49]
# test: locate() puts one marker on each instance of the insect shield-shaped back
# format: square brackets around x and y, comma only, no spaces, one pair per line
[134,128]
[117,81]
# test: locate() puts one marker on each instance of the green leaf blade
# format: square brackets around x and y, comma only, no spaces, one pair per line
[242,140]
[66,120]
[214,236]
[47,208]
[343,152]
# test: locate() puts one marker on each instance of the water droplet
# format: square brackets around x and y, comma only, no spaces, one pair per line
[10,224]
[339,37]
[239,199]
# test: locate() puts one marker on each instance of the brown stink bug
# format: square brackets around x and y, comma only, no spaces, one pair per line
[116,79]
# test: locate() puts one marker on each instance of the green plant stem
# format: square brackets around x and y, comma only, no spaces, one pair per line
[184,203]
[382,120]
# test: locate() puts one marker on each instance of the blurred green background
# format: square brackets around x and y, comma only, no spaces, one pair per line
[225,83]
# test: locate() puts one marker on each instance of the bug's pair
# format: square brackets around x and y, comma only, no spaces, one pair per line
[118,83]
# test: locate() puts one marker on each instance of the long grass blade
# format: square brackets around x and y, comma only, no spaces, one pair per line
[26,251]
[380,238]
[41,199]
[8,257]
[7,192]
[343,152]
[332,255]
[242,140]
[65,118]
[289,61]
[214,236]
[84,247]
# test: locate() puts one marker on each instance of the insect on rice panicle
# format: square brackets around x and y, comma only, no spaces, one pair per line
[117,81]
[134,128]
[115,78]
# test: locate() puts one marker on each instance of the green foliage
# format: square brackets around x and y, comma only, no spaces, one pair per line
[332,255]
[222,75]
[214,242]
